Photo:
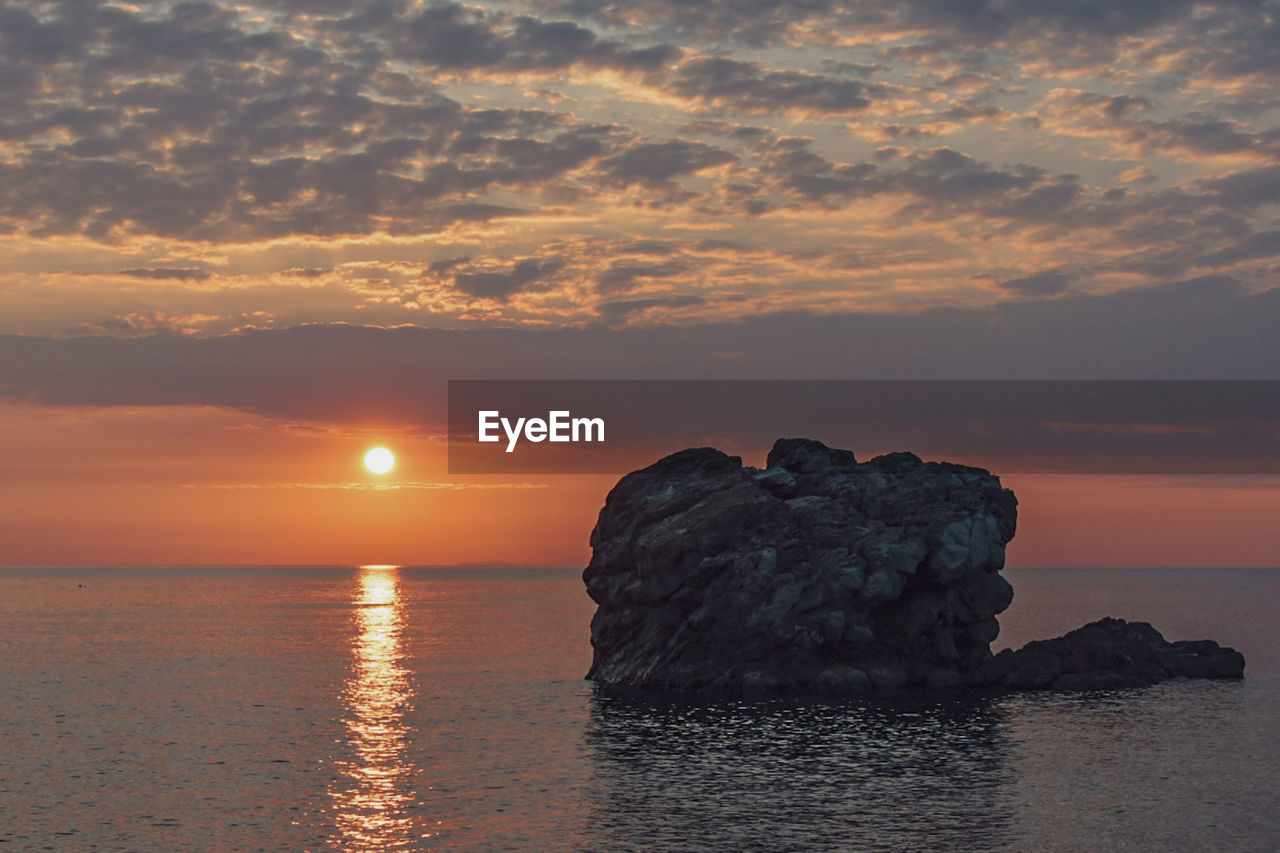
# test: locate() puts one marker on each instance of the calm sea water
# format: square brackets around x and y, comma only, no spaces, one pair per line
[419,709]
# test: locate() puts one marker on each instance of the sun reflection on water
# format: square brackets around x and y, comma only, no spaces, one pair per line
[374,800]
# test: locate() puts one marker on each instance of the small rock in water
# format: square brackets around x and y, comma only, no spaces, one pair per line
[1106,654]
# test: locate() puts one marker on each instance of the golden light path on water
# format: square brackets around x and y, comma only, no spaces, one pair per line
[373,809]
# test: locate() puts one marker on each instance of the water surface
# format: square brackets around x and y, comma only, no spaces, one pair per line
[419,709]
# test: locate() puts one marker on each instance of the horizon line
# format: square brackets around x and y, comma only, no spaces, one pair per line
[474,564]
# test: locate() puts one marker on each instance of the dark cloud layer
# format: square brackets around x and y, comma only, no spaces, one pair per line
[1026,150]
[1202,328]
[206,123]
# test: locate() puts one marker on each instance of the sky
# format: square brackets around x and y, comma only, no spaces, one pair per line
[242,243]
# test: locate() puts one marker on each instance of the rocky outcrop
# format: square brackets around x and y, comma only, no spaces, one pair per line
[822,575]
[1106,654]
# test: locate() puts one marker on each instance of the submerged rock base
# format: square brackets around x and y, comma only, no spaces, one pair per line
[822,575]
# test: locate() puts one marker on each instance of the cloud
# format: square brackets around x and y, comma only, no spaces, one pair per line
[655,164]
[1265,244]
[753,89]
[141,323]
[1119,120]
[622,276]
[757,22]
[501,284]
[1245,190]
[168,273]
[615,312]
[1093,26]
[938,182]
[932,123]
[452,37]
[1039,284]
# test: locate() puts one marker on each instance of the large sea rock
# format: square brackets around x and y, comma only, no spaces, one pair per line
[822,575]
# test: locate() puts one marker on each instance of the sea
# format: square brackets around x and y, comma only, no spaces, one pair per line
[399,709]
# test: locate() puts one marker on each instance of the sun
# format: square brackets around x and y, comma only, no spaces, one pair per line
[379,460]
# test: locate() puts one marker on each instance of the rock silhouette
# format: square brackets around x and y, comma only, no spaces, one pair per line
[1106,654]
[822,575]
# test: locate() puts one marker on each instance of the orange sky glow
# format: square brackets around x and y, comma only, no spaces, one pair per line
[242,243]
[179,486]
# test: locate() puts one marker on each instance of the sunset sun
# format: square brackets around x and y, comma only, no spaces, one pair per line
[379,460]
